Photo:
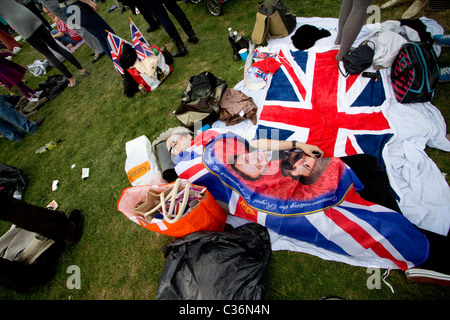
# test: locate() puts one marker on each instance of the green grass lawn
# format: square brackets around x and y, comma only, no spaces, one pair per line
[119,259]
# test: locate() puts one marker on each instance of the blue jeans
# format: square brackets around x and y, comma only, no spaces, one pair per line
[65,38]
[93,23]
[11,121]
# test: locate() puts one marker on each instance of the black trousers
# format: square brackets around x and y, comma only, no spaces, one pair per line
[49,223]
[159,10]
[33,8]
[41,40]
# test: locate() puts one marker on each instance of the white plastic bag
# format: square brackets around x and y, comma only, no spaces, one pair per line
[38,68]
[141,165]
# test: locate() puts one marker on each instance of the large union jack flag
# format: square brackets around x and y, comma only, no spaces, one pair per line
[308,99]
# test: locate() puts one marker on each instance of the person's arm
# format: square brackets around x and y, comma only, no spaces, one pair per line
[61,29]
[273,145]
[59,34]
[91,3]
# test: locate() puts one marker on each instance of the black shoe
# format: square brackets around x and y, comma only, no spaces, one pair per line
[98,57]
[181,49]
[192,39]
[180,53]
[152,28]
[78,220]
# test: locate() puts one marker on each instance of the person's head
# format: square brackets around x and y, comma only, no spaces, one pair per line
[297,164]
[178,141]
[302,167]
[250,166]
[49,13]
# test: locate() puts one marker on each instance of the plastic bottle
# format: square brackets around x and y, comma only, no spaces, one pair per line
[48,146]
[235,36]
[230,33]
[238,36]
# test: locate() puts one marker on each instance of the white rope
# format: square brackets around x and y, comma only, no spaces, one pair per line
[385,275]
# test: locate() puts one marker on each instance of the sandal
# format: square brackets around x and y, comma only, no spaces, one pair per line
[74,84]
[85,73]
[96,58]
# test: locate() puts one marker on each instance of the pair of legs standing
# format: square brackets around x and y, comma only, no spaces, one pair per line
[41,40]
[92,22]
[158,9]
[352,17]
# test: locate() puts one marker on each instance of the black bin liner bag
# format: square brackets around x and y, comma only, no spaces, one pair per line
[209,265]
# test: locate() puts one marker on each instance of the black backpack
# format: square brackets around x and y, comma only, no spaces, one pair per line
[415,73]
[358,60]
[200,100]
